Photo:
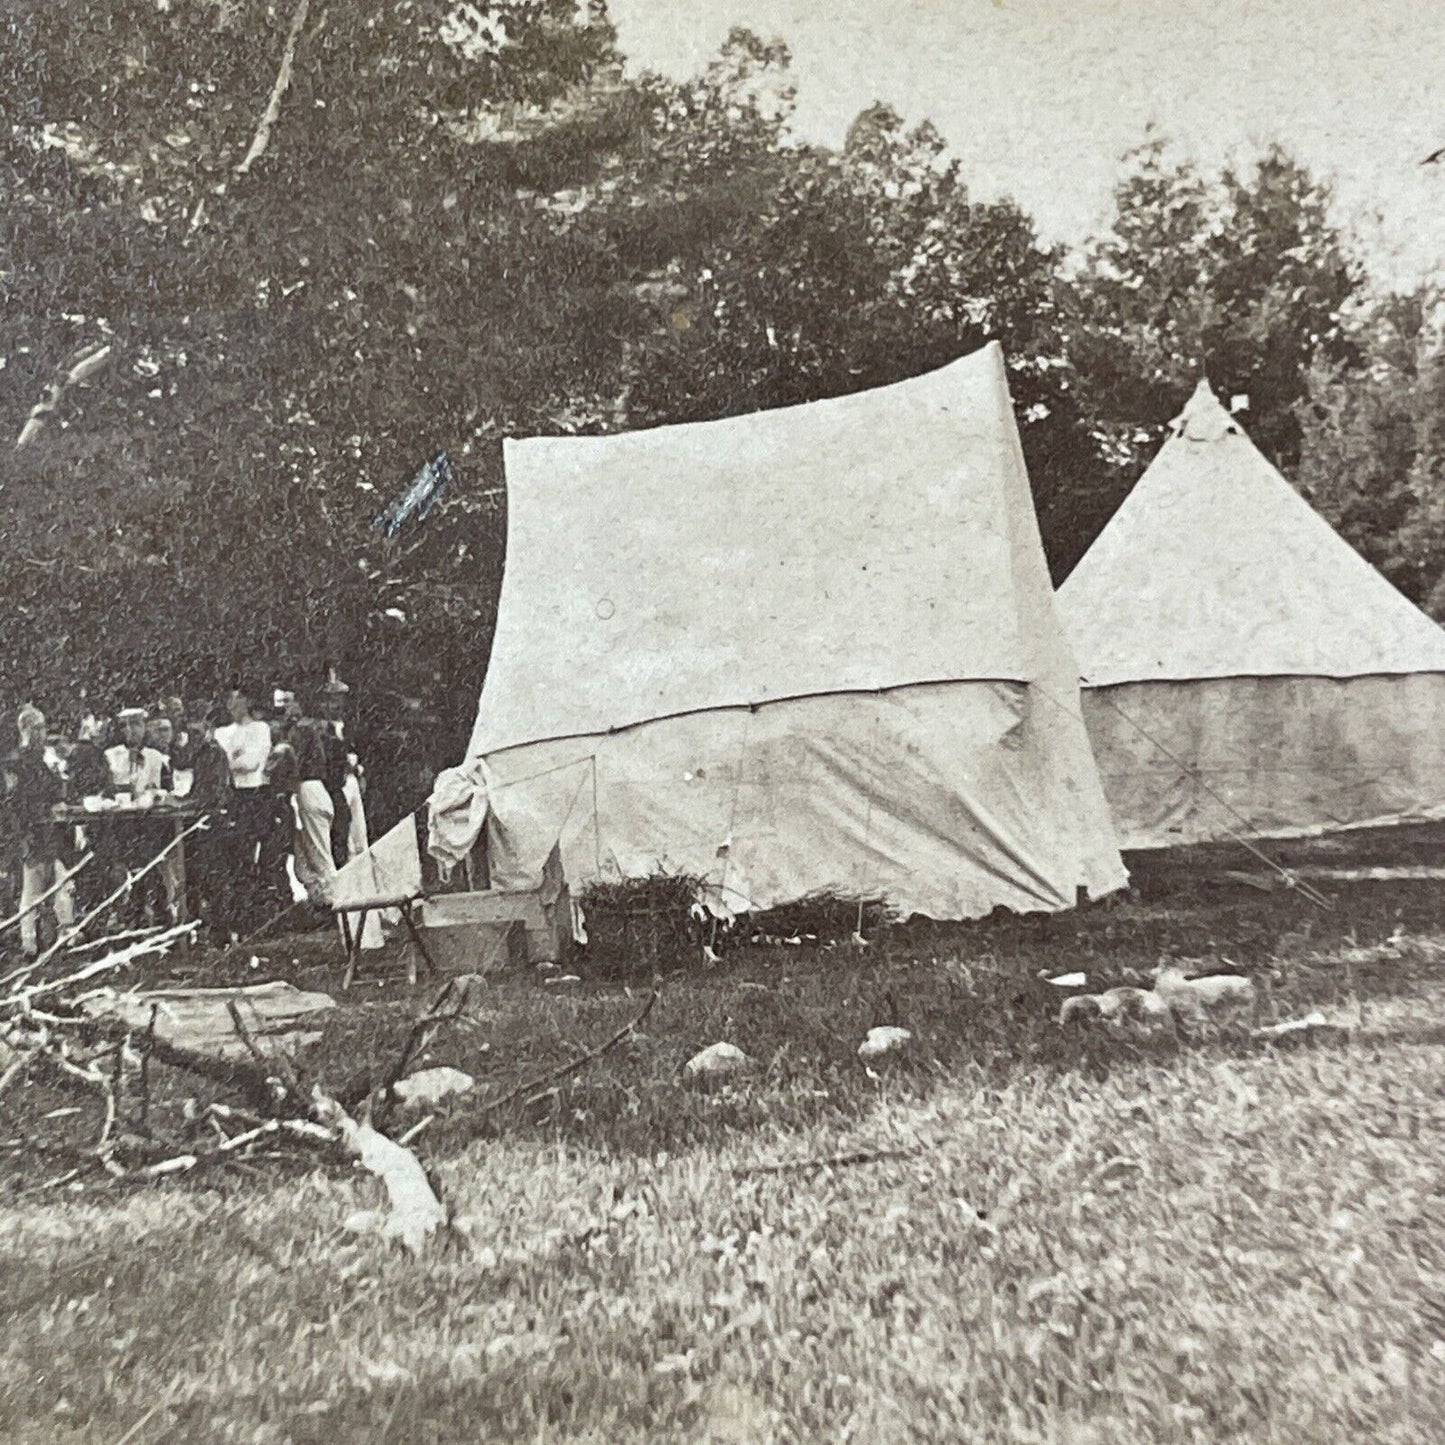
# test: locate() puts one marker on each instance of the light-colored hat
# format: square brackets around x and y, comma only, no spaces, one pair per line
[28,718]
[129,714]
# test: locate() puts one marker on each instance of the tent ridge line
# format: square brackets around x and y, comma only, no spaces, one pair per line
[752,707]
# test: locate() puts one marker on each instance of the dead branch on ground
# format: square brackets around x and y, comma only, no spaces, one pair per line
[532,1085]
[272,113]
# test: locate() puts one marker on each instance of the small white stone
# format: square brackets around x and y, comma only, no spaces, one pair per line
[883,1041]
[431,1086]
[716,1060]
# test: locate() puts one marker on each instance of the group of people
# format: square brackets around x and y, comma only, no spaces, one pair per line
[280,788]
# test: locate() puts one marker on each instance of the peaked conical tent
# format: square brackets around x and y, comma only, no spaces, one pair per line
[807,650]
[1246,671]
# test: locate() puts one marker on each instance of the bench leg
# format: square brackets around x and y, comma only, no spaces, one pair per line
[420,944]
[353,945]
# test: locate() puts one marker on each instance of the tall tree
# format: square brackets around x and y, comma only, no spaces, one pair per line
[1373,450]
[1240,277]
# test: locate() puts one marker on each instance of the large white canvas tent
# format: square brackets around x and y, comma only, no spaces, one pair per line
[1246,672]
[806,650]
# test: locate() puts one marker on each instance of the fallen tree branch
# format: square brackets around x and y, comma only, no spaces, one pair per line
[570,1068]
[362,1087]
[263,1092]
[272,113]
[416,1212]
[23,998]
[278,1068]
[82,365]
[45,897]
[131,879]
[832,1161]
[127,935]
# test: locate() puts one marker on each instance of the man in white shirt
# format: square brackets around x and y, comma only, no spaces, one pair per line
[134,767]
[137,769]
[247,744]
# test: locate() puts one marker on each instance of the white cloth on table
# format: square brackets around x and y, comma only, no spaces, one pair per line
[389,868]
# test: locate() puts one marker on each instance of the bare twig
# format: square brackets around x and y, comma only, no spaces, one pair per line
[363,1086]
[82,365]
[59,1056]
[22,999]
[275,1067]
[272,113]
[405,1139]
[14,1069]
[145,1066]
[126,935]
[47,895]
[532,1085]
[833,1161]
[131,879]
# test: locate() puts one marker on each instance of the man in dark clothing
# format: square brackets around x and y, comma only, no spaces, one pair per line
[211,884]
[38,789]
[185,736]
[87,770]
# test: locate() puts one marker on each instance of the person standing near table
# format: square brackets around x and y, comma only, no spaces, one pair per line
[139,771]
[90,775]
[246,740]
[210,885]
[135,768]
[184,737]
[38,789]
[320,785]
[161,736]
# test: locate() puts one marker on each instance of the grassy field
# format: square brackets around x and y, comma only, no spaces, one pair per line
[1074,1238]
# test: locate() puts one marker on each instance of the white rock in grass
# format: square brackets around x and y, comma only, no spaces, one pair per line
[717,1061]
[431,1086]
[1310,1023]
[1215,993]
[883,1041]
[1070,980]
[363,1221]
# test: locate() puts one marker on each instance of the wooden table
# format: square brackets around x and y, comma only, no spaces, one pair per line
[179,813]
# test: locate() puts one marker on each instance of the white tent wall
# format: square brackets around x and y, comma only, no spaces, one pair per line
[808,650]
[1268,757]
[1247,673]
[939,798]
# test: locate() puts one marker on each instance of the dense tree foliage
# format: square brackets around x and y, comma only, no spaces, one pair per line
[1240,278]
[1374,442]
[467,221]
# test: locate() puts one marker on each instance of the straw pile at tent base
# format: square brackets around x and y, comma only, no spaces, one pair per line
[639,927]
[644,926]
[821,918]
